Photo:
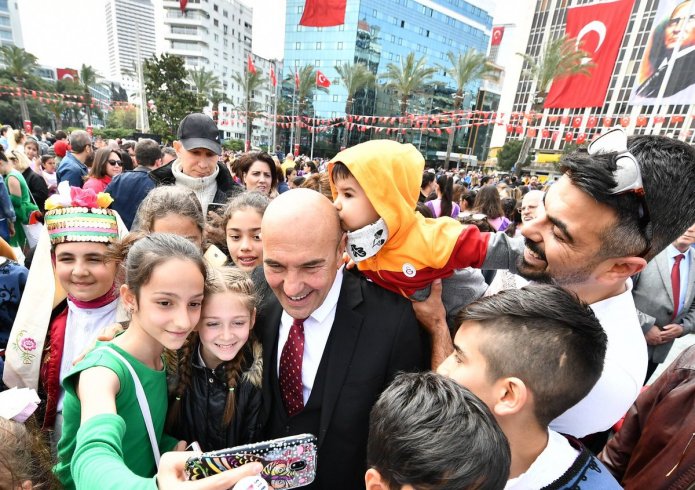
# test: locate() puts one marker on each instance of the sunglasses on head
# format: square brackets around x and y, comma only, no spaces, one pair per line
[115,163]
[627,175]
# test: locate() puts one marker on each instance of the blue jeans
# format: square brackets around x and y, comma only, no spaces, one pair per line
[4,230]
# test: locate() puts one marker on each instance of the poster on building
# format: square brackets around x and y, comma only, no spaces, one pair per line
[666,73]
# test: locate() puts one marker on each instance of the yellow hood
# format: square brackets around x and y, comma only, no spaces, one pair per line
[390,174]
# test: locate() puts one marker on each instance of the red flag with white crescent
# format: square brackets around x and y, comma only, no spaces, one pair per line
[273,78]
[321,80]
[323,13]
[598,29]
[497,35]
[250,65]
[182,5]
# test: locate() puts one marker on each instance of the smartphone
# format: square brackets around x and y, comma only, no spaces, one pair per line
[289,462]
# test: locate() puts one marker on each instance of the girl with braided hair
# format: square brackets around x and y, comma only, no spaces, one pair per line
[215,393]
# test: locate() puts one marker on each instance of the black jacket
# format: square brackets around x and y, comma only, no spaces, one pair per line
[202,406]
[37,187]
[226,187]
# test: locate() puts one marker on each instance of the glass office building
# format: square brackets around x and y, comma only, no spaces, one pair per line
[379,32]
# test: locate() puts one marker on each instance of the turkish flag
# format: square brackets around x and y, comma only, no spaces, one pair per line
[323,13]
[67,74]
[625,121]
[545,133]
[568,136]
[607,121]
[273,78]
[641,121]
[250,65]
[581,138]
[591,122]
[565,120]
[576,121]
[296,79]
[182,5]
[599,30]
[497,35]
[321,80]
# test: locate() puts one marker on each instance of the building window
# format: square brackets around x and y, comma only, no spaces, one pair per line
[299,9]
[398,57]
[215,8]
[400,41]
[338,62]
[340,45]
[317,63]
[217,37]
[335,98]
[402,23]
[318,45]
[341,27]
[225,29]
[216,23]
[225,42]
[297,45]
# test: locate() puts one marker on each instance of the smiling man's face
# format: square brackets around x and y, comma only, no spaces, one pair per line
[563,242]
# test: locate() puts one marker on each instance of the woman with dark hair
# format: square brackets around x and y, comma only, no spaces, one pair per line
[488,202]
[126,160]
[310,168]
[427,186]
[107,164]
[257,172]
[443,205]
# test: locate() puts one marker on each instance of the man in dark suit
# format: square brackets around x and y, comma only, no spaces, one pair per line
[332,340]
[663,321]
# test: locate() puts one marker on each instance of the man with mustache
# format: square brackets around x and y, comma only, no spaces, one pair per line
[616,207]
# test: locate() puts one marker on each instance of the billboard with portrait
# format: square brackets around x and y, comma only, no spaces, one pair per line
[666,73]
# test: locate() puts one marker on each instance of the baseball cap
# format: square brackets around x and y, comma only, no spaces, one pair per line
[60,147]
[199,131]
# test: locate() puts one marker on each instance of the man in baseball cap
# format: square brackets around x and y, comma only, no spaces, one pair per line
[196,166]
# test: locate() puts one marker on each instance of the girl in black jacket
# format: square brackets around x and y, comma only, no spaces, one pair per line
[217,380]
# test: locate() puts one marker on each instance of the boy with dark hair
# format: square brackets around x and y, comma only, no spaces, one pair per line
[530,354]
[428,432]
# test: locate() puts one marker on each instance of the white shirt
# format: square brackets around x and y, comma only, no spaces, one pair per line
[684,268]
[557,457]
[317,328]
[623,371]
[81,330]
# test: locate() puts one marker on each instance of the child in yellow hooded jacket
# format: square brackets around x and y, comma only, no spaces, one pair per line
[375,187]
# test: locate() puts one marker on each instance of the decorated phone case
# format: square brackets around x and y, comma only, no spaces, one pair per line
[289,462]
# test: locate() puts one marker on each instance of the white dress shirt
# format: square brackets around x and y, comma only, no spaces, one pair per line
[317,328]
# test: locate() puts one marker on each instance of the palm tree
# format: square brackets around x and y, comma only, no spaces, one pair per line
[304,93]
[408,78]
[20,66]
[560,58]
[57,108]
[355,77]
[88,78]
[249,82]
[205,83]
[464,68]
[217,98]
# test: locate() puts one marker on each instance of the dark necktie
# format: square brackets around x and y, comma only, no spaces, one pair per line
[676,283]
[291,369]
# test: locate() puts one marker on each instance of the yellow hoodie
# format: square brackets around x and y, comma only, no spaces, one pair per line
[418,249]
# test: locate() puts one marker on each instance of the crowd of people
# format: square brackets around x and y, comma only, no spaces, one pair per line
[433,329]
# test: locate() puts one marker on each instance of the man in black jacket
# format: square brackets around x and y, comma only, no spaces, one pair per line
[332,341]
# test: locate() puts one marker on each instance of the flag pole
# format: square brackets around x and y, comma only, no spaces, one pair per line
[275,107]
[313,130]
[294,99]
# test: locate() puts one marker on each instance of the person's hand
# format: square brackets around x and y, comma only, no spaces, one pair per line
[10,226]
[106,335]
[180,446]
[172,475]
[431,313]
[671,332]
[653,336]
[349,263]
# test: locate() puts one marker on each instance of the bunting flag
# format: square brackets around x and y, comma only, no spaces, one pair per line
[296,79]
[273,78]
[321,80]
[249,65]
[323,13]
[182,5]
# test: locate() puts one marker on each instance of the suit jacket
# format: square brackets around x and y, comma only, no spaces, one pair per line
[374,336]
[654,301]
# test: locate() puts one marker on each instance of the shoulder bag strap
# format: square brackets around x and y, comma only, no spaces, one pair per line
[142,401]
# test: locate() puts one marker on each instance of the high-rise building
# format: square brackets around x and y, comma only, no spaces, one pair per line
[215,35]
[556,127]
[10,28]
[130,31]
[379,32]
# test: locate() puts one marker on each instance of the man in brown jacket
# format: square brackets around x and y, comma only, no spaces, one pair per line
[655,448]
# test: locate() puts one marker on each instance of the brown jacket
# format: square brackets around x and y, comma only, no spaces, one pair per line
[658,431]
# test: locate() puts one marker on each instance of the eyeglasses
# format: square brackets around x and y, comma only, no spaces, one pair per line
[115,163]
[627,175]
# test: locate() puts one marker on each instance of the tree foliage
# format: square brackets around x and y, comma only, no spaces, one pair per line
[355,77]
[166,87]
[205,84]
[509,154]
[249,83]
[408,78]
[20,66]
[123,117]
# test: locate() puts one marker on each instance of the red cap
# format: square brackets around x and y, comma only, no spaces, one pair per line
[60,147]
